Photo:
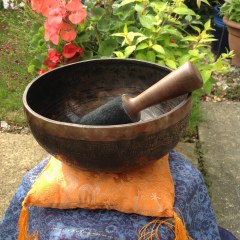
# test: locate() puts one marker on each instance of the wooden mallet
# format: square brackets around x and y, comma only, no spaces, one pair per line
[126,109]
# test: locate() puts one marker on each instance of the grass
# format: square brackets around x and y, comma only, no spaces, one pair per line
[200,152]
[195,119]
[14,39]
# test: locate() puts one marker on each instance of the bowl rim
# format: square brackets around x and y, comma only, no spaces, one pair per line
[41,118]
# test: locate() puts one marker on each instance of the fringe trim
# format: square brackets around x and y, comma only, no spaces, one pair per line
[175,224]
[23,225]
[148,232]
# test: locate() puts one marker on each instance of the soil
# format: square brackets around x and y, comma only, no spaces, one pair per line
[227,86]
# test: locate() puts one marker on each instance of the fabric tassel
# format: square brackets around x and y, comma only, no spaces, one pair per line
[179,228]
[23,225]
[150,231]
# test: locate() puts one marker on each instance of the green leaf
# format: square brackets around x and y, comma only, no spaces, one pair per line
[135,34]
[36,62]
[207,25]
[142,46]
[31,69]
[159,6]
[170,63]
[207,87]
[104,25]
[141,56]
[140,39]
[174,45]
[124,2]
[158,48]
[125,29]
[151,56]
[200,1]
[87,55]
[147,21]
[123,12]
[194,52]
[35,27]
[167,30]
[119,54]
[206,75]
[129,50]
[139,8]
[107,47]
[184,11]
[190,38]
[197,29]
[96,13]
[208,40]
[42,56]
[84,36]
[189,18]
[184,59]
[118,34]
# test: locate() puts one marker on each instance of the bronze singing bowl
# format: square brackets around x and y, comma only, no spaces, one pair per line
[54,100]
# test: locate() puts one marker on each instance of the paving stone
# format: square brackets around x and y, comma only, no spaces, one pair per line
[18,154]
[220,134]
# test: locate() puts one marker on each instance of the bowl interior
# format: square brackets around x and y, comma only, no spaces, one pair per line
[69,92]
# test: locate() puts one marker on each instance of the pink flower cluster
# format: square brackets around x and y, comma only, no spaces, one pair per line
[60,18]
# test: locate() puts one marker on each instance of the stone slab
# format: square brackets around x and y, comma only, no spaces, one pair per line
[188,150]
[18,154]
[220,134]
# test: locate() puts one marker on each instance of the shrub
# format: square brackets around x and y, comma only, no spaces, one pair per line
[166,32]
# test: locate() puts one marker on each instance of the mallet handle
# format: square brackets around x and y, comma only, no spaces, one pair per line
[184,79]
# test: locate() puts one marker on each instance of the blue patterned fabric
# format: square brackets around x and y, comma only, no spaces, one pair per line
[191,199]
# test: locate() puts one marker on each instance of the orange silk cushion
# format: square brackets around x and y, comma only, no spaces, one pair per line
[147,191]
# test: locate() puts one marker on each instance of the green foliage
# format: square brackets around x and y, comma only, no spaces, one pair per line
[196,116]
[37,47]
[150,30]
[166,32]
[231,10]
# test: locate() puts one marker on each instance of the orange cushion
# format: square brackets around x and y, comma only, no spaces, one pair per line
[147,191]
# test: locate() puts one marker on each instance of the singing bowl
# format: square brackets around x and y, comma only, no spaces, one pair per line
[54,100]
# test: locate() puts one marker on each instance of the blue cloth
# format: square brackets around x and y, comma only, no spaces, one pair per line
[192,200]
[226,235]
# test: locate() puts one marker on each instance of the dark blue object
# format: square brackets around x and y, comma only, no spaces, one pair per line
[226,235]
[192,200]
[221,34]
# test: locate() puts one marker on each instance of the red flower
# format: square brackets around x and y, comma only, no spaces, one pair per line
[60,16]
[52,32]
[54,24]
[67,32]
[45,6]
[53,59]
[77,13]
[54,56]
[41,71]
[70,50]
[173,40]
